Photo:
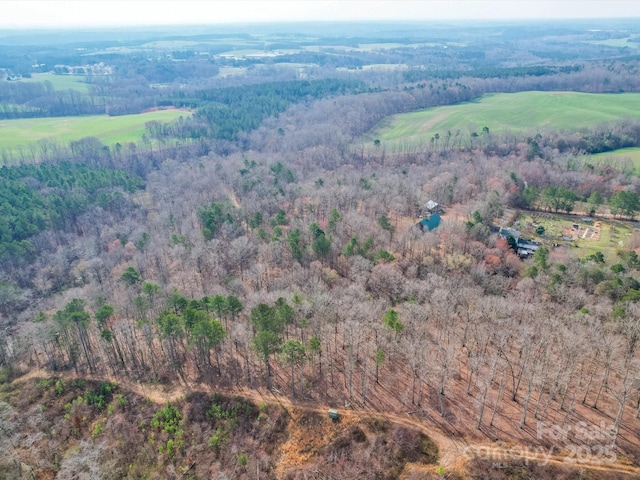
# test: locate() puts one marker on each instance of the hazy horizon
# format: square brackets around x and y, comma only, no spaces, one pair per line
[38,14]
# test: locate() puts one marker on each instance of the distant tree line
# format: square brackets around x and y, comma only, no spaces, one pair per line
[40,99]
[224,113]
[416,75]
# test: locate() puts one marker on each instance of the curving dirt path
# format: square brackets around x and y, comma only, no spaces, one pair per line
[233,198]
[454,452]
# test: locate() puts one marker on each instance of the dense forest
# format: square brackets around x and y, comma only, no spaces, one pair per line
[266,244]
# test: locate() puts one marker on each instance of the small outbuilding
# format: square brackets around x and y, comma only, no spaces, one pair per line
[333,414]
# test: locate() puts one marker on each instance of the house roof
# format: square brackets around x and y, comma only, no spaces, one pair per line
[431,222]
[505,232]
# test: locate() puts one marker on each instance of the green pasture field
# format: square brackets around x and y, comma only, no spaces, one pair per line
[612,234]
[616,42]
[379,46]
[371,47]
[240,53]
[627,159]
[293,65]
[256,53]
[172,44]
[231,71]
[110,130]
[61,82]
[518,112]
[385,67]
[367,47]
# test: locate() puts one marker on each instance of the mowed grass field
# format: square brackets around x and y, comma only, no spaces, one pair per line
[624,158]
[61,82]
[518,112]
[110,130]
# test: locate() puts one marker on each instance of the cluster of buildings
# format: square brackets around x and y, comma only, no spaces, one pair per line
[524,248]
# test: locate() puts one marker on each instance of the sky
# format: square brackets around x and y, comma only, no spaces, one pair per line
[93,13]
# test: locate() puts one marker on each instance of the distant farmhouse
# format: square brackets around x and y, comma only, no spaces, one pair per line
[95,69]
[431,213]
